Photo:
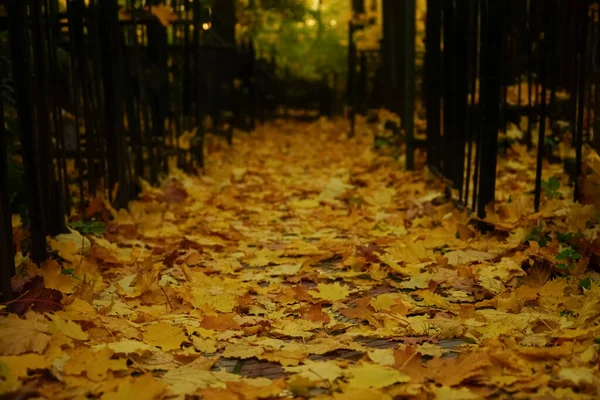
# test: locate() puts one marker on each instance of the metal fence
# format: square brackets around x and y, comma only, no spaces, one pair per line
[99,96]
[488,65]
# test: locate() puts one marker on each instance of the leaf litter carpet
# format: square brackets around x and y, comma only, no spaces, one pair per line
[306,265]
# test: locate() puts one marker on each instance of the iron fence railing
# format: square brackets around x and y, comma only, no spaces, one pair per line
[102,96]
[490,65]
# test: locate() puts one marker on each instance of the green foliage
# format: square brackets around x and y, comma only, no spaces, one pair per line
[586,283]
[551,187]
[537,235]
[306,40]
[569,256]
[442,249]
[549,141]
[566,313]
[89,227]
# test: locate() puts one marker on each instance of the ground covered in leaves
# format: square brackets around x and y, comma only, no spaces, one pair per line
[305,264]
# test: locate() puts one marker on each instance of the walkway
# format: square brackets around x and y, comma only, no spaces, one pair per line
[305,264]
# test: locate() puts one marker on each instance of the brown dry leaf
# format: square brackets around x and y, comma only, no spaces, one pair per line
[455,371]
[18,336]
[220,323]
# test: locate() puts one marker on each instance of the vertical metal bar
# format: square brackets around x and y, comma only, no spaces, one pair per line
[493,17]
[461,89]
[112,69]
[530,83]
[60,162]
[7,258]
[351,78]
[479,127]
[547,45]
[408,80]
[582,13]
[472,115]
[42,120]
[75,22]
[16,11]
[433,78]
[449,116]
[199,152]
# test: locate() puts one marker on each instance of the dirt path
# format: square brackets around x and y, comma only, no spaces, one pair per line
[304,264]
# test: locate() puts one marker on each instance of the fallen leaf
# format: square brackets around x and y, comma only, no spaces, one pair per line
[365,376]
[166,336]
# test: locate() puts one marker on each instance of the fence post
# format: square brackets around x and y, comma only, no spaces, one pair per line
[408,79]
[547,46]
[461,88]
[582,17]
[492,17]
[198,75]
[111,47]
[432,70]
[18,23]
[7,258]
[351,78]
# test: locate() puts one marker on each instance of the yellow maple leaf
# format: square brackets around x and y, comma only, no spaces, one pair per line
[365,376]
[78,310]
[187,379]
[222,302]
[316,371]
[242,351]
[382,356]
[67,328]
[54,278]
[330,292]
[384,301]
[166,336]
[13,368]
[126,346]
[578,376]
[141,387]
[362,394]
[95,365]
[204,345]
[448,393]
[430,349]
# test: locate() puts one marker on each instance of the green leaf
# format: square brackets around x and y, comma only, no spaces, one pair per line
[565,254]
[586,283]
[564,237]
[551,187]
[67,271]
[566,313]
[93,227]
[97,228]
[564,266]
